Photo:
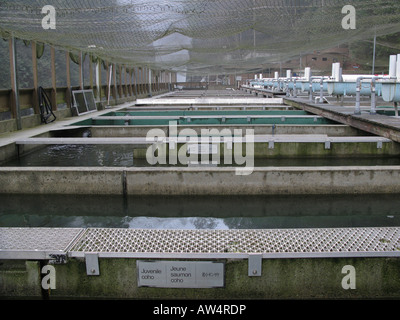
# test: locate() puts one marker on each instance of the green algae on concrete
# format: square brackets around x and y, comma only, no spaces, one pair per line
[302,278]
[20,279]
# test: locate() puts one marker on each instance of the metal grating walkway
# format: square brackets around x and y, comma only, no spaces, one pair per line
[35,243]
[17,243]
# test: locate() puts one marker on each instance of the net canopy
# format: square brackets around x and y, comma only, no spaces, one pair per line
[198,36]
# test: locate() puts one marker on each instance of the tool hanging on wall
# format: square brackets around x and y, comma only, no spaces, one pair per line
[46,109]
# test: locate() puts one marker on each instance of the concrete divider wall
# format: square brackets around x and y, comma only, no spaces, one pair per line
[200,181]
[61,181]
[296,180]
[142,131]
[309,150]
[10,151]
[319,278]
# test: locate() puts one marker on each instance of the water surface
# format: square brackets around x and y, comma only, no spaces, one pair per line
[200,212]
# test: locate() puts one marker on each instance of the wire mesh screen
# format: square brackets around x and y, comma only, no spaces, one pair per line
[199,36]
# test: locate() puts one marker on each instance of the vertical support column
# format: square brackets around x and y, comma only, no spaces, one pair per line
[98,79]
[126,82]
[125,87]
[150,83]
[81,85]
[90,72]
[374,54]
[15,106]
[109,80]
[115,93]
[145,81]
[373,97]
[157,80]
[130,83]
[357,110]
[154,80]
[135,89]
[163,79]
[159,74]
[120,86]
[68,93]
[321,90]
[53,78]
[139,80]
[35,95]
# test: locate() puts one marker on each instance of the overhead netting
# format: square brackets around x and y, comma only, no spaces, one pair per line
[200,36]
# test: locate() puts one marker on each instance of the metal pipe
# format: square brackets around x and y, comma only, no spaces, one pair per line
[357,110]
[310,85]
[373,97]
[287,88]
[358,94]
[374,55]
[321,90]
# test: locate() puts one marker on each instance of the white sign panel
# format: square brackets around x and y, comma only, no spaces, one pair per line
[180,274]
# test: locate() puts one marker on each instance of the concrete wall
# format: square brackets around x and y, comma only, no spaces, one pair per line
[20,278]
[10,151]
[62,181]
[34,120]
[30,121]
[200,181]
[296,180]
[318,278]
[142,131]
[295,150]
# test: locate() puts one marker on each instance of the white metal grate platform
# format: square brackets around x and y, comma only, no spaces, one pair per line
[35,243]
[39,243]
[272,243]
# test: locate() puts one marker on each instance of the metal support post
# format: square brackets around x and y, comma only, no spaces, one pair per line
[373,97]
[321,90]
